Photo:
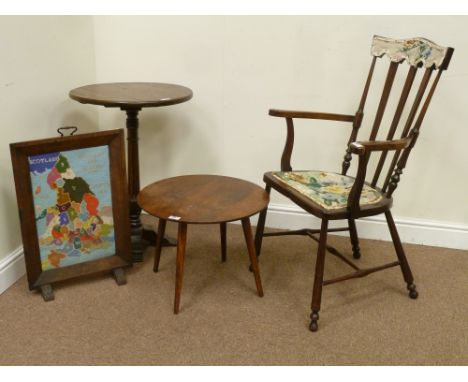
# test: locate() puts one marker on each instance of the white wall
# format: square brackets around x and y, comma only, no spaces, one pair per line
[239,67]
[42,59]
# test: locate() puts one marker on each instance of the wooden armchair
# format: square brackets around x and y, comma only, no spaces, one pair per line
[334,196]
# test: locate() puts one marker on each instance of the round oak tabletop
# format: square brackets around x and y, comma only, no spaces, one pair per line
[132,94]
[202,199]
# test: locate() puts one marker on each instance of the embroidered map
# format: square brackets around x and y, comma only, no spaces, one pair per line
[73,206]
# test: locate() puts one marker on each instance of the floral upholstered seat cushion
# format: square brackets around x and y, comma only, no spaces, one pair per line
[328,189]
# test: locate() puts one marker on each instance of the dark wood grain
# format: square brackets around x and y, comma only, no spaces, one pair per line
[354,238]
[288,146]
[311,115]
[253,257]
[261,225]
[363,149]
[159,239]
[181,242]
[131,97]
[318,277]
[384,99]
[204,199]
[414,108]
[413,135]
[358,119]
[136,228]
[222,231]
[405,268]
[20,153]
[396,119]
[128,95]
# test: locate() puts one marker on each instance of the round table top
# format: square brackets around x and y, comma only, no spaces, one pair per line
[131,94]
[202,199]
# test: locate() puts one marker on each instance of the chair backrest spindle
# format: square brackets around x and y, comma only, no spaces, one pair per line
[409,122]
[384,99]
[418,53]
[414,136]
[358,118]
[396,119]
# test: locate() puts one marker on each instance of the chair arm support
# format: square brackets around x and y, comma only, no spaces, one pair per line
[311,115]
[365,147]
[355,193]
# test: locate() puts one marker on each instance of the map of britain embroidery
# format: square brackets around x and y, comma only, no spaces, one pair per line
[73,206]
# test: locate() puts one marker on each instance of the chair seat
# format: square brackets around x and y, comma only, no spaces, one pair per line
[327,189]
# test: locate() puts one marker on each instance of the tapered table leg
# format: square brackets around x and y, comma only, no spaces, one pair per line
[181,240]
[205,199]
[253,257]
[157,252]
[222,229]
[261,226]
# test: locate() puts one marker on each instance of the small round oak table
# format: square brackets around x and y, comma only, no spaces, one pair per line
[203,199]
[131,97]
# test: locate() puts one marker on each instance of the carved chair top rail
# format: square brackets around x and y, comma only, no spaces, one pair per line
[415,51]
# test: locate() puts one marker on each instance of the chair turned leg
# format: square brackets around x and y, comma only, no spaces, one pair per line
[159,240]
[261,226]
[181,240]
[222,229]
[405,268]
[253,258]
[354,238]
[318,278]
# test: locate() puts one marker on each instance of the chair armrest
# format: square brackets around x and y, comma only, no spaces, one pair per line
[311,115]
[365,147]
[289,115]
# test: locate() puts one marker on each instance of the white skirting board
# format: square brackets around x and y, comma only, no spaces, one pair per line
[12,268]
[411,230]
[414,231]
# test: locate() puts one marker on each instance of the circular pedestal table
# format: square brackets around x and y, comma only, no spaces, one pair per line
[131,97]
[203,199]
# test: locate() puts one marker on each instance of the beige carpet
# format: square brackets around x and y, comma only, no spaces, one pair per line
[369,321]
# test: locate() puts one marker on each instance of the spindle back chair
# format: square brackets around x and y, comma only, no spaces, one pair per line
[334,196]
